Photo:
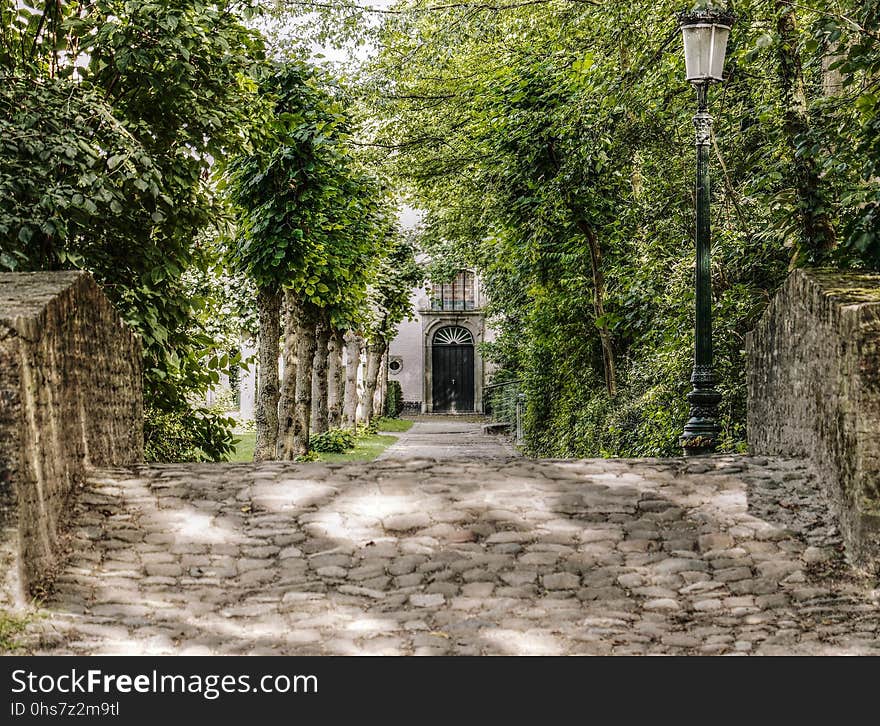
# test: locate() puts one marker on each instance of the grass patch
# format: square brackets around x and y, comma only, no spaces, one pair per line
[244,447]
[366,449]
[11,626]
[394,424]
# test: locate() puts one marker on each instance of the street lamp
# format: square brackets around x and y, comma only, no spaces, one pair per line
[705,34]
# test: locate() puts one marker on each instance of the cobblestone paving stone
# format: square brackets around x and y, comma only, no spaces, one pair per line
[429,557]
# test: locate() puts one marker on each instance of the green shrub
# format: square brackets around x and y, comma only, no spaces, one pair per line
[186,435]
[364,431]
[334,441]
[393,400]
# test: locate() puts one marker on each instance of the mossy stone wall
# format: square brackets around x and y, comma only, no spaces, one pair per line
[70,398]
[814,392]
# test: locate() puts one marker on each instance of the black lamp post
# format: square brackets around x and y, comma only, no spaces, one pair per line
[705,34]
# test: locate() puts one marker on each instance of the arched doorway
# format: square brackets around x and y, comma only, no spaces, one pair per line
[452,369]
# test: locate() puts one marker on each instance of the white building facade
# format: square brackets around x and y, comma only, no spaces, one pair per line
[437,358]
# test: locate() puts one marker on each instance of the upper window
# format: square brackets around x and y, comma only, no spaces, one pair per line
[457,294]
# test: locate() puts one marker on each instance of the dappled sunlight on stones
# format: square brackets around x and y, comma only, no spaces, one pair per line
[513,642]
[192,526]
[288,493]
[454,557]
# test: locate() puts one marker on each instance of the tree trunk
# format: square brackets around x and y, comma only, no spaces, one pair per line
[832,78]
[288,385]
[266,411]
[381,386]
[817,232]
[384,377]
[320,412]
[599,308]
[352,363]
[296,440]
[375,351]
[335,380]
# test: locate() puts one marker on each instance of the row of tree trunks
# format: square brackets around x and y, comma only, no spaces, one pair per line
[266,413]
[320,388]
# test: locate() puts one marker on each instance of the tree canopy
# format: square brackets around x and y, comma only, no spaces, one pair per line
[550,144]
[311,218]
[113,115]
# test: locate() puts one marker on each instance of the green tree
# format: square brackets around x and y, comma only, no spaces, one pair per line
[389,304]
[113,116]
[309,221]
[550,145]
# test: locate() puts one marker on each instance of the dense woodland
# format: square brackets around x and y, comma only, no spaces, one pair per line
[213,174]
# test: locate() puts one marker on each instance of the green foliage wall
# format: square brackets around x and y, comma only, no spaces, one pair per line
[112,116]
[550,141]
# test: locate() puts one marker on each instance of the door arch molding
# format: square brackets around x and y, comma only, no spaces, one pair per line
[453,335]
[452,370]
[431,325]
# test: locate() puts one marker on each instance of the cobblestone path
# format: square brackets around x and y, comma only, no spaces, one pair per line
[488,556]
[449,437]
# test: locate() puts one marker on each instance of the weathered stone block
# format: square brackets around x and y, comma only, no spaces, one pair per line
[814,392]
[70,399]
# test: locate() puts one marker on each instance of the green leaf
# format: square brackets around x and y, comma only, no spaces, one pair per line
[866,103]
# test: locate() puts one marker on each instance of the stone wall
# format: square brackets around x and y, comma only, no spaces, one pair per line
[814,392]
[70,399]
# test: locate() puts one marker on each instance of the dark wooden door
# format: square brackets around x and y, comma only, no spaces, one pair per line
[453,377]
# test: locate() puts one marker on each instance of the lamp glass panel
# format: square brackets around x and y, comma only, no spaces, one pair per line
[718,51]
[697,47]
[704,49]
